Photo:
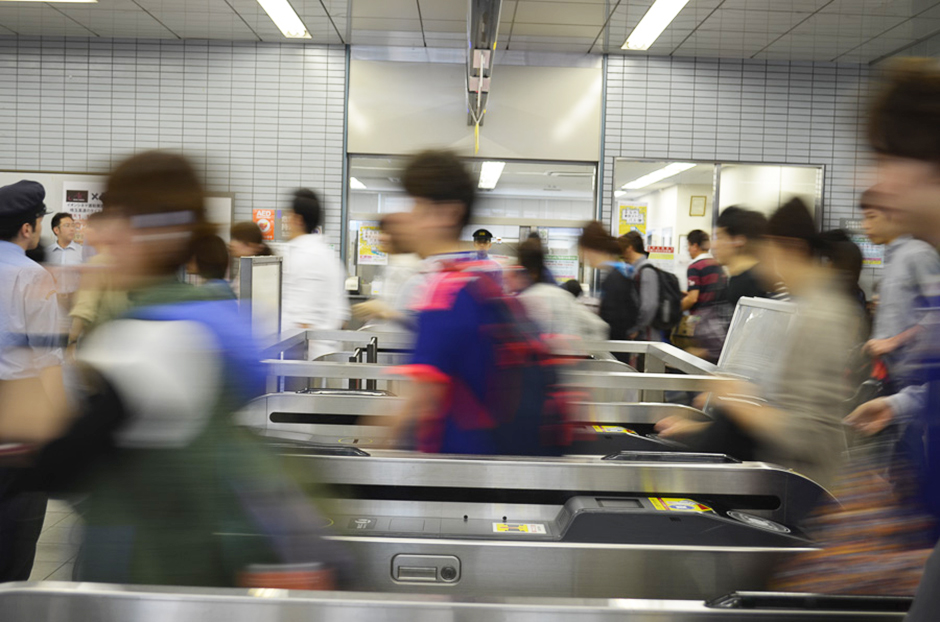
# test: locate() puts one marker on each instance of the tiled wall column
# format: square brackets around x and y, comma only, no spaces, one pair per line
[259,119]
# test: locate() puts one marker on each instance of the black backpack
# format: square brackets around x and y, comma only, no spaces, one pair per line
[669,307]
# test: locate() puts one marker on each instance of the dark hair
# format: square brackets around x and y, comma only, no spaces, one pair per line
[595,237]
[440,176]
[58,218]
[632,240]
[905,116]
[250,233]
[738,221]
[844,255]
[211,255]
[10,227]
[698,237]
[572,286]
[306,203]
[793,221]
[158,189]
[532,258]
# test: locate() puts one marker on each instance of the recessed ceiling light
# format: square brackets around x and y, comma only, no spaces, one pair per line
[659,16]
[355,184]
[489,174]
[285,18]
[658,175]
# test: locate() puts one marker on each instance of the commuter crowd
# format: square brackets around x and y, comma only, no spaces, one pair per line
[123,357]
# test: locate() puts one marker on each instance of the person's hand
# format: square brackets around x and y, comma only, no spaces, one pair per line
[881,347]
[871,417]
[371,309]
[679,426]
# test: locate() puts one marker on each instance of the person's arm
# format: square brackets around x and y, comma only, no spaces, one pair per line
[690,299]
[691,296]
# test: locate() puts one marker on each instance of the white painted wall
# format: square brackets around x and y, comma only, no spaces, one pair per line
[543,113]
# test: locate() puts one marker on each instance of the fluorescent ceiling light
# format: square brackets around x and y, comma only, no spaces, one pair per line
[355,184]
[653,24]
[619,193]
[489,174]
[285,18]
[667,171]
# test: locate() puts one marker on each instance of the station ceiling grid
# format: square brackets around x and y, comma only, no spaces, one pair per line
[856,31]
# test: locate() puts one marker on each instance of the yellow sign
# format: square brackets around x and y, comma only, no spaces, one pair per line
[631,217]
[530,528]
[370,249]
[612,429]
[678,505]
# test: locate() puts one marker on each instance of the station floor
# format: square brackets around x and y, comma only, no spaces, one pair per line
[58,544]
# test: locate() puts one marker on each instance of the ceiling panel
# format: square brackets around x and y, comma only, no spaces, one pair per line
[310,11]
[445,9]
[444,26]
[206,19]
[784,6]
[391,9]
[40,20]
[567,13]
[827,36]
[122,19]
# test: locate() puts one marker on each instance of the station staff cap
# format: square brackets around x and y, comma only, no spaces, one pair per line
[24,198]
[482,235]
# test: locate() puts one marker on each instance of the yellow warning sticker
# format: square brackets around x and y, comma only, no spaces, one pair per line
[612,429]
[530,528]
[678,505]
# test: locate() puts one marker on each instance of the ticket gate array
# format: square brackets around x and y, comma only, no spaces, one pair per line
[87,602]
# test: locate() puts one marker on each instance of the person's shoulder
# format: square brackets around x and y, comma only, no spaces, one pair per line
[918,248]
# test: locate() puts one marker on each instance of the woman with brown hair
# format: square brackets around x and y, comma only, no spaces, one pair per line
[620,305]
[248,241]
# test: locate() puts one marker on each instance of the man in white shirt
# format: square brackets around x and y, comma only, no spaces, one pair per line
[314,282]
[63,258]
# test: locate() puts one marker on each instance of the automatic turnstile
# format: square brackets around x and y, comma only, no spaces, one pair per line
[62,602]
[630,526]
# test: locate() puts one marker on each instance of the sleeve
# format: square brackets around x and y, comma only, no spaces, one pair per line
[908,403]
[41,310]
[694,277]
[649,298]
[440,340]
[925,266]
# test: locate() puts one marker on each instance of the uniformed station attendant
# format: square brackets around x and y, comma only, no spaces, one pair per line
[28,349]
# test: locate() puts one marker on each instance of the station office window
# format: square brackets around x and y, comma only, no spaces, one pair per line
[554,199]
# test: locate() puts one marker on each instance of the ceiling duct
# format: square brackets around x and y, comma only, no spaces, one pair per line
[482,29]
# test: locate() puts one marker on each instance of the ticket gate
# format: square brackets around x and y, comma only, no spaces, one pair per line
[87,602]
[630,525]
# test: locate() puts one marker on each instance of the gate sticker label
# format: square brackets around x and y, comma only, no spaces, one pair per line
[531,528]
[361,523]
[678,505]
[612,429]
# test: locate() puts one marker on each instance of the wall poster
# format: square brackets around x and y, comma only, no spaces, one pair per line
[631,217]
[370,252]
[81,199]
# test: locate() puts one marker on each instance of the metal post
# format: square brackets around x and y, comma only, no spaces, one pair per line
[372,357]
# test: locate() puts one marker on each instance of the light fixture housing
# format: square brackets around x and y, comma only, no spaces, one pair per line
[658,175]
[355,184]
[285,18]
[656,20]
[490,173]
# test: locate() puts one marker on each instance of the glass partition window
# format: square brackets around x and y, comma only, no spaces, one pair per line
[553,199]
[765,188]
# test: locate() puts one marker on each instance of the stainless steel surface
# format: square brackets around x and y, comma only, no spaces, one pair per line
[796,494]
[90,602]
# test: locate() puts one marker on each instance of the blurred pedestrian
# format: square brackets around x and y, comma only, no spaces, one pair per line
[482,383]
[314,280]
[63,258]
[394,291]
[210,262]
[705,277]
[739,234]
[553,309]
[647,286]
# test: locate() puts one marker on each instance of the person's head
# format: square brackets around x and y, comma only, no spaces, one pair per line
[395,233]
[792,243]
[160,202]
[573,287]
[841,255]
[63,226]
[482,240]
[880,223]
[532,260]
[597,245]
[738,233]
[305,215]
[443,192]
[210,258]
[904,131]
[101,229]
[632,246]
[247,240]
[22,208]
[699,243]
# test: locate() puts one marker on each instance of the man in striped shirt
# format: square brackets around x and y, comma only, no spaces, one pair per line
[707,279]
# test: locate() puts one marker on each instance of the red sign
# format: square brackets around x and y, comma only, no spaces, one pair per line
[264,218]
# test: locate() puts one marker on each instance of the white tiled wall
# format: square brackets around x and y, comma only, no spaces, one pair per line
[741,110]
[260,119]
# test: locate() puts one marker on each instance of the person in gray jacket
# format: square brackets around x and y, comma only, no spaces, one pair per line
[647,281]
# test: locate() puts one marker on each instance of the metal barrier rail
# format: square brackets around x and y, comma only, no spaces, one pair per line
[88,602]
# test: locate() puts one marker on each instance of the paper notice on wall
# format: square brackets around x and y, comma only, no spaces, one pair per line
[370,251]
[873,255]
[265,219]
[563,267]
[631,217]
[81,199]
[663,257]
